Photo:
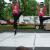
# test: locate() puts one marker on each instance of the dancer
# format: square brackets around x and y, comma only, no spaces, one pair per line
[16,14]
[41,13]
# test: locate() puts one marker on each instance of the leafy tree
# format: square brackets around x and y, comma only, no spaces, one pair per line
[1,9]
[47,7]
[10,0]
[29,7]
[7,12]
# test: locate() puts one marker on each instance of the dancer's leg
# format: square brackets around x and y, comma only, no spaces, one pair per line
[41,22]
[46,18]
[15,20]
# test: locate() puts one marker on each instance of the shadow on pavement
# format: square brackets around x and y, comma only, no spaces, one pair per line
[15,48]
[27,31]
[42,48]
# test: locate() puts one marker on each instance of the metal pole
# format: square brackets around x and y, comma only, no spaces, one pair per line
[49,7]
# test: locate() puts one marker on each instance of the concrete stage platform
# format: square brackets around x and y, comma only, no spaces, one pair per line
[33,41]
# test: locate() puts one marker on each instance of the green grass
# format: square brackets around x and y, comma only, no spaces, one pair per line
[10,27]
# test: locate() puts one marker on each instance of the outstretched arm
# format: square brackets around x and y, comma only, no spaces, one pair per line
[37,7]
[17,1]
[44,9]
[12,1]
[12,4]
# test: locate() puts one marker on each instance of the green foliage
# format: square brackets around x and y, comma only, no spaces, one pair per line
[8,12]
[10,0]
[1,9]
[47,7]
[29,7]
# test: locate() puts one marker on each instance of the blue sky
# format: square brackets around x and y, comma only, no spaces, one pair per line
[36,0]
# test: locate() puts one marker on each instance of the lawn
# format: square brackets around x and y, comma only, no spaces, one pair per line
[10,27]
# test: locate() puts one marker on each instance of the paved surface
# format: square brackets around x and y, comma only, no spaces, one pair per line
[21,39]
[37,41]
[42,40]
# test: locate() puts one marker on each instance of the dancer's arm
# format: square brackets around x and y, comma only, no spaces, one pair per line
[17,3]
[44,9]
[12,4]
[37,7]
[12,1]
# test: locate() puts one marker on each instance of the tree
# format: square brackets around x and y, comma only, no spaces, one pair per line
[10,0]
[29,7]
[47,7]
[1,9]
[7,12]
[24,6]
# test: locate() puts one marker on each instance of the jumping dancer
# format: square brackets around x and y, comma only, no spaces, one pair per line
[41,13]
[16,14]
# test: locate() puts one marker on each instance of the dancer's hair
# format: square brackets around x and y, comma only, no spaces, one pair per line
[21,48]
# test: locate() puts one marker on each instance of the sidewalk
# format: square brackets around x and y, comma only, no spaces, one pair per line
[21,39]
[25,39]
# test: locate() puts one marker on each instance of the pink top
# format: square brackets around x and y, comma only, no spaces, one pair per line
[41,14]
[15,8]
